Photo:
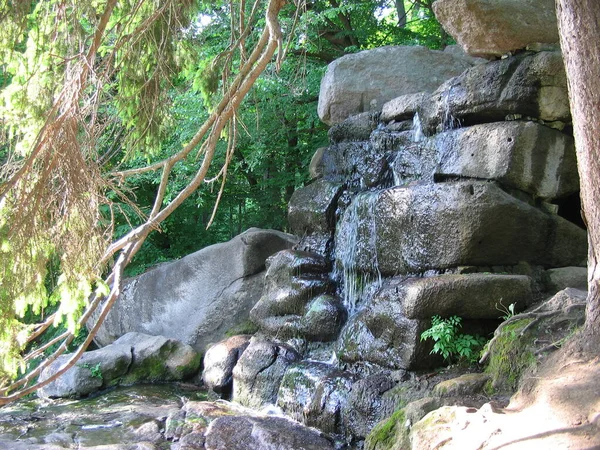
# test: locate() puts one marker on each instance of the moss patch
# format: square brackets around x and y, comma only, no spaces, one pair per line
[510,356]
[247,327]
[388,434]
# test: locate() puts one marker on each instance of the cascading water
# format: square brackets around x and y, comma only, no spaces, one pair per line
[449,122]
[417,129]
[359,232]
[415,160]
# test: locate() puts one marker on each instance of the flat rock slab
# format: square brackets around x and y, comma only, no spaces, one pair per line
[364,81]
[470,296]
[520,154]
[494,27]
[416,228]
[528,84]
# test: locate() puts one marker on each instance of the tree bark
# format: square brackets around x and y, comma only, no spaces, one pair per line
[401,13]
[579,29]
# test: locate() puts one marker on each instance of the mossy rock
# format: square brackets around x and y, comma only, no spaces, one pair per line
[391,433]
[156,358]
[522,341]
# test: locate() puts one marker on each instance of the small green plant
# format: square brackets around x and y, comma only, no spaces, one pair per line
[95,370]
[507,311]
[449,343]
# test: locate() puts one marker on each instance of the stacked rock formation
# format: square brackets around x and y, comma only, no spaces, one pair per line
[444,203]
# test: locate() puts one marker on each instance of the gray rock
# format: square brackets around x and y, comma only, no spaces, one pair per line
[436,226]
[522,155]
[355,128]
[531,85]
[367,403]
[465,385]
[258,373]
[364,81]
[293,279]
[315,394]
[403,107]
[312,208]
[412,156]
[355,163]
[261,433]
[380,334]
[323,318]
[157,358]
[315,169]
[564,277]
[219,361]
[199,297]
[470,296]
[95,370]
[496,27]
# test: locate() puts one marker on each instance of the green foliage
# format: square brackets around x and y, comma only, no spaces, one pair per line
[96,370]
[449,343]
[507,311]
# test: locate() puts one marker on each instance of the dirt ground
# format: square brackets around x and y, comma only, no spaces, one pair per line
[556,408]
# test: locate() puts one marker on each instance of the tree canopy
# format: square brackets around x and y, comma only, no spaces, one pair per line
[113,114]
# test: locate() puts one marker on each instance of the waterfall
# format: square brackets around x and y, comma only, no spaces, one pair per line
[449,122]
[357,239]
[417,129]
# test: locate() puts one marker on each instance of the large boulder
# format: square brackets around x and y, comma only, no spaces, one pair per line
[258,373]
[315,394]
[495,27]
[199,297]
[532,85]
[261,433]
[520,154]
[470,296]
[93,371]
[133,358]
[364,81]
[420,227]
[296,301]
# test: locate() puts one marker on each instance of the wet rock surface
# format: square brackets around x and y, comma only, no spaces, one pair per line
[437,226]
[258,373]
[296,301]
[528,84]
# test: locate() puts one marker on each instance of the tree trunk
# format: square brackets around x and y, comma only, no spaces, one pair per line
[579,29]
[401,13]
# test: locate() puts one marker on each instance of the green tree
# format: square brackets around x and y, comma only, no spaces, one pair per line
[82,72]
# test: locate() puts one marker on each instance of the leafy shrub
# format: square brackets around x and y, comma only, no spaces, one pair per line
[449,343]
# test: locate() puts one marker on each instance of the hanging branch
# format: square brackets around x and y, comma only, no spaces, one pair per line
[206,138]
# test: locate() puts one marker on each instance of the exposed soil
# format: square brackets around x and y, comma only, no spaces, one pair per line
[558,407]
